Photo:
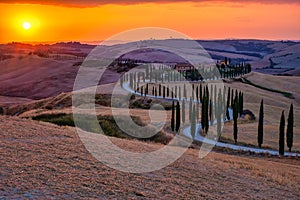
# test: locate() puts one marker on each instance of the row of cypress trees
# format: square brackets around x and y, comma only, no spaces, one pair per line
[289,130]
[164,74]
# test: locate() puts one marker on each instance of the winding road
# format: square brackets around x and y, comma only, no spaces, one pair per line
[206,140]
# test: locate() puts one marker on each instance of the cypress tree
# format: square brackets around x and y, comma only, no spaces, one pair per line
[177,116]
[232,98]
[159,90]
[223,108]
[207,92]
[168,91]
[183,111]
[193,123]
[211,115]
[235,116]
[215,94]
[152,90]
[260,134]
[184,92]
[179,95]
[281,134]
[173,117]
[289,131]
[200,93]
[203,115]
[197,93]
[147,89]
[206,100]
[218,114]
[228,104]
[193,91]
[190,109]
[142,90]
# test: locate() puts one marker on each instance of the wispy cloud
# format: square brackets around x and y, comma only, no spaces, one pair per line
[92,3]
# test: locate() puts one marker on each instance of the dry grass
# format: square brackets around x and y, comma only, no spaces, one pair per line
[40,160]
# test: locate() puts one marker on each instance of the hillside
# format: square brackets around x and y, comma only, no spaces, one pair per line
[40,160]
[54,67]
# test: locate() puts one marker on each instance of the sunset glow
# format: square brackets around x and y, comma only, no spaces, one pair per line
[206,20]
[26,25]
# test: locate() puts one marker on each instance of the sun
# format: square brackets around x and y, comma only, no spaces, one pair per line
[26,25]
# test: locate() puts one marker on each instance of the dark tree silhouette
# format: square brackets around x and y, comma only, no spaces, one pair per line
[219,114]
[290,131]
[173,117]
[184,92]
[235,117]
[281,134]
[193,123]
[200,93]
[177,117]
[260,135]
[228,104]
[183,111]
[190,109]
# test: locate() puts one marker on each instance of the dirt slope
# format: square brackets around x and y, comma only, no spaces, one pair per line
[40,160]
[36,78]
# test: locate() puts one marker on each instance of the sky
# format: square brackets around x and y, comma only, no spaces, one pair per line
[79,20]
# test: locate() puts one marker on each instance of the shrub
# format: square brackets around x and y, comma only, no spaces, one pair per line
[108,125]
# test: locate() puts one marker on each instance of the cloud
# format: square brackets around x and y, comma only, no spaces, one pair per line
[92,3]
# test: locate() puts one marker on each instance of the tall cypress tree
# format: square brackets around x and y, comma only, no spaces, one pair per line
[232,98]
[183,111]
[177,116]
[228,104]
[290,131]
[190,109]
[237,100]
[168,90]
[200,93]
[179,95]
[206,99]
[219,114]
[159,90]
[173,117]
[235,117]
[211,112]
[184,92]
[197,93]
[193,123]
[281,134]
[260,135]
[203,115]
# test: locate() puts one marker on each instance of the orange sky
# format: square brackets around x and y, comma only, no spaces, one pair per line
[207,20]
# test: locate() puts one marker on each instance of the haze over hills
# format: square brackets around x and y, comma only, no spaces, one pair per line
[56,65]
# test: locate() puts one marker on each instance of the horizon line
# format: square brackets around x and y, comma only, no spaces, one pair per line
[97,42]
